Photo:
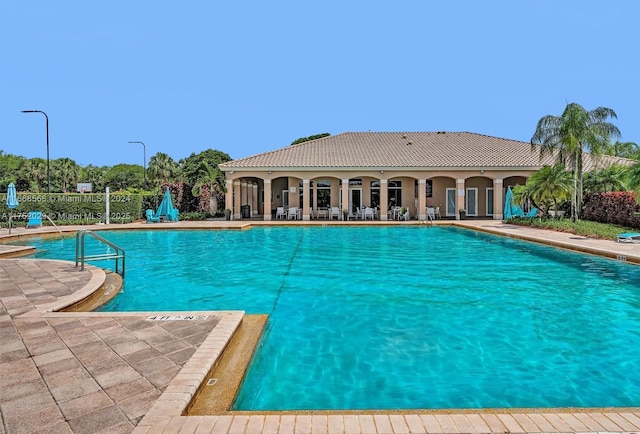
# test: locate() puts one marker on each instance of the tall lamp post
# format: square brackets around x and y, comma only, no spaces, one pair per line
[144,163]
[47,125]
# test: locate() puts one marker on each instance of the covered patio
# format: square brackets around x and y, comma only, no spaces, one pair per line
[385,171]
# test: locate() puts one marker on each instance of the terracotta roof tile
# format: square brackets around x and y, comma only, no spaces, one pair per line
[404,150]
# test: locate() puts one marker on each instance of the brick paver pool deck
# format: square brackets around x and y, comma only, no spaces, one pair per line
[90,372]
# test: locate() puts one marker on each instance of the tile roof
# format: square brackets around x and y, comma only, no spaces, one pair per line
[402,150]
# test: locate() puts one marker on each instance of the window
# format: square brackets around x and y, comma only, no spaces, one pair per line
[395,193]
[375,193]
[323,190]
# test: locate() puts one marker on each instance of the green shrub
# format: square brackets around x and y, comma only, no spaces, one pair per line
[584,228]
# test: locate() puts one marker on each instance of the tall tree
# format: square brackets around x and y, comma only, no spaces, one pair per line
[191,166]
[34,173]
[624,149]
[123,176]
[67,171]
[569,135]
[161,169]
[95,175]
[9,168]
[308,139]
[633,175]
[210,183]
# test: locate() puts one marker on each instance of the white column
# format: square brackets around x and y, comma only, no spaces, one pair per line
[243,193]
[254,198]
[460,195]
[498,200]
[384,199]
[422,199]
[345,195]
[238,198]
[228,197]
[267,200]
[305,199]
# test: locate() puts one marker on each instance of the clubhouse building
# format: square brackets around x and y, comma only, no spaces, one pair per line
[448,171]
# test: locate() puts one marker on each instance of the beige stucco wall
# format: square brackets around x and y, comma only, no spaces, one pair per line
[248,186]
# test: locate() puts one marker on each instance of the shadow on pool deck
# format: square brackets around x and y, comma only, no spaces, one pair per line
[86,372]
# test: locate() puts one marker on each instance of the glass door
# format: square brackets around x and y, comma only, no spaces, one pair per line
[472,201]
[451,202]
[355,199]
[489,201]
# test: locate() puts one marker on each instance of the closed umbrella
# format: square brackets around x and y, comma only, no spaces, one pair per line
[166,208]
[12,201]
[508,198]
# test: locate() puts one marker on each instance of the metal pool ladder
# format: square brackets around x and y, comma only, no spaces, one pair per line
[118,253]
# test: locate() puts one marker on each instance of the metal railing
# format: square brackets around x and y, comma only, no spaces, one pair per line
[118,253]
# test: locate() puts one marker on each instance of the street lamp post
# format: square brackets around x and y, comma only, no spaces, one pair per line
[47,125]
[144,163]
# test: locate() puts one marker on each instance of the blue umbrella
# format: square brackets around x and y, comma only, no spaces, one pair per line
[12,201]
[508,198]
[166,208]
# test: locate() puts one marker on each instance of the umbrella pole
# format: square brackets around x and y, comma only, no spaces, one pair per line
[10,215]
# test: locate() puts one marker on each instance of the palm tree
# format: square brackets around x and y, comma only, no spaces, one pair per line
[549,185]
[211,181]
[161,169]
[569,135]
[605,180]
[521,195]
[633,177]
[34,171]
[624,149]
[68,171]
[95,175]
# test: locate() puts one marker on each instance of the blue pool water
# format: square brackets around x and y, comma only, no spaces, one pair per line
[399,317]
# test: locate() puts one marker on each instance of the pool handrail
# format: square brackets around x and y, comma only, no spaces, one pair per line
[81,257]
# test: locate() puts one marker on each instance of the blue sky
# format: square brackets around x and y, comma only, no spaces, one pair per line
[246,77]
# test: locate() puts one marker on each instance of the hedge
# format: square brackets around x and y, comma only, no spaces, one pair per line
[617,208]
[78,208]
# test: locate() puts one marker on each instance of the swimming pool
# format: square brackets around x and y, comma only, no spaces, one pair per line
[400,317]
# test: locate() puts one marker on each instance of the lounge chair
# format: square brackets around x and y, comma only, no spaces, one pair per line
[150,217]
[629,237]
[35,220]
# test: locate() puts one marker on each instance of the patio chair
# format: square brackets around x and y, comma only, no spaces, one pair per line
[431,213]
[292,213]
[280,214]
[35,220]
[629,237]
[150,217]
[368,213]
[334,212]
